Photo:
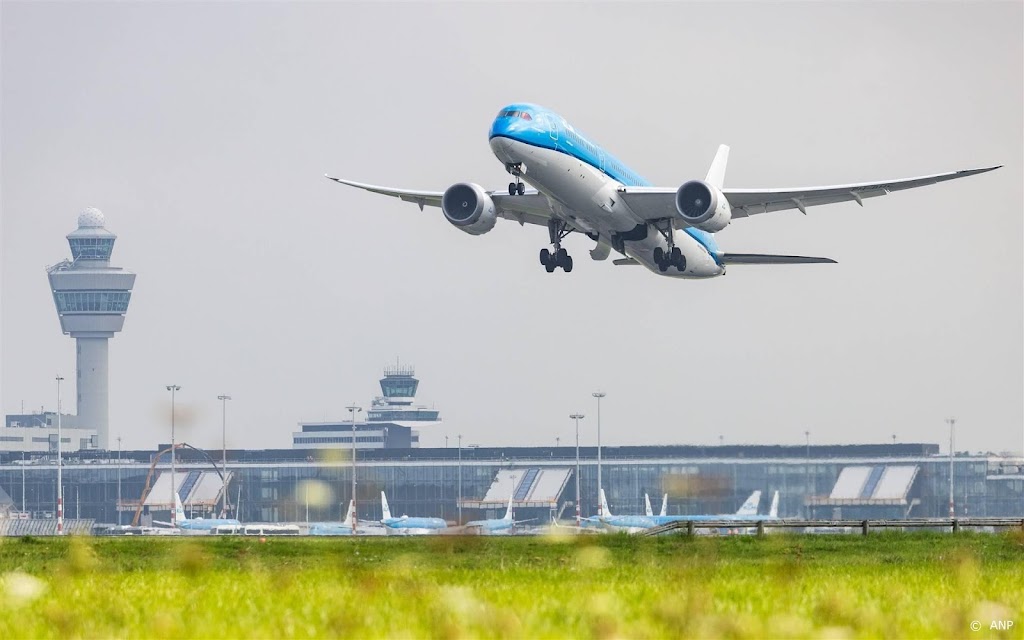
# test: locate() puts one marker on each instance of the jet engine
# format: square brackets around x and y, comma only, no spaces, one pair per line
[468,207]
[703,206]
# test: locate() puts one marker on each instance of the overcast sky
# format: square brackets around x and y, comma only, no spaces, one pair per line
[202,131]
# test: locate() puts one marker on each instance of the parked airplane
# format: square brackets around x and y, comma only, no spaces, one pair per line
[579,187]
[495,526]
[634,524]
[348,527]
[406,525]
[194,524]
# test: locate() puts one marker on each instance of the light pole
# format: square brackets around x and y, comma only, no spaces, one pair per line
[460,479]
[577,417]
[224,445]
[807,469]
[60,470]
[352,409]
[174,491]
[599,395]
[118,507]
[951,422]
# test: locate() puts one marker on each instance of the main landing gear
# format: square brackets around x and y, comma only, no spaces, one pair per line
[517,187]
[673,257]
[557,229]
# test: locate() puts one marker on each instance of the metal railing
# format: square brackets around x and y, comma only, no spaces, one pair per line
[865,526]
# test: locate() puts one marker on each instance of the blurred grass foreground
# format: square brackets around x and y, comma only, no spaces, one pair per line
[782,586]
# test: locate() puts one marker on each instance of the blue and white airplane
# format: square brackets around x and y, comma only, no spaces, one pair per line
[348,527]
[634,524]
[495,526]
[579,187]
[406,525]
[196,524]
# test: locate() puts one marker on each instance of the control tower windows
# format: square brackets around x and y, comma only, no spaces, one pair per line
[91,248]
[92,301]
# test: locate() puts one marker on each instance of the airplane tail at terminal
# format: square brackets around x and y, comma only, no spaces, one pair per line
[774,511]
[384,506]
[350,515]
[648,511]
[179,511]
[605,511]
[664,505]
[749,507]
[508,512]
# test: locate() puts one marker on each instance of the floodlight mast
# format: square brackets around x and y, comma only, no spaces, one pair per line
[174,490]
[352,409]
[599,395]
[577,417]
[60,465]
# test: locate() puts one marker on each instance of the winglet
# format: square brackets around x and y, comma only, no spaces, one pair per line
[716,174]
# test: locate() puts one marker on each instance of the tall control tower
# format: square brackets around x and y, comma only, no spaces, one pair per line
[92,298]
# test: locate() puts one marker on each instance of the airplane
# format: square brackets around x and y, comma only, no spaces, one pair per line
[406,525]
[196,524]
[635,524]
[348,527]
[495,526]
[576,186]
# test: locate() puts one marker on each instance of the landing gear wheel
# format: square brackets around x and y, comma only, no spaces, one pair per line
[550,267]
[567,264]
[512,188]
[663,266]
[560,257]
[659,255]
[521,189]
[545,257]
[681,264]
[676,255]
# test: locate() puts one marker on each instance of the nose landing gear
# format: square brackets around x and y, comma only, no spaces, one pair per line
[517,187]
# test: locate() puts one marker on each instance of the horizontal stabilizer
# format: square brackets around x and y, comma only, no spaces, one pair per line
[764,258]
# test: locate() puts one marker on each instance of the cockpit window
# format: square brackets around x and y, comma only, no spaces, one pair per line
[515,114]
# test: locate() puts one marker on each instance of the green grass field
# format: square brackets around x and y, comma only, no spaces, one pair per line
[780,586]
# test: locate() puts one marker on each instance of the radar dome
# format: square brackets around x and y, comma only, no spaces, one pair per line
[91,217]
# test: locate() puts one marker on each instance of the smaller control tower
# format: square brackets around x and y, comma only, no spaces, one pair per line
[92,299]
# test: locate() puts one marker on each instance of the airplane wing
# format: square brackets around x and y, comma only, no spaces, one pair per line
[658,203]
[530,208]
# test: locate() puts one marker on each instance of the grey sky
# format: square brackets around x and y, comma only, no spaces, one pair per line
[202,132]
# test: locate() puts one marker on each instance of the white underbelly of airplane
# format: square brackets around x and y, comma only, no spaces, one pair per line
[580,192]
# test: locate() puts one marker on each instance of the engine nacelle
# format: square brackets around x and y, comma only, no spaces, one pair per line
[468,207]
[703,206]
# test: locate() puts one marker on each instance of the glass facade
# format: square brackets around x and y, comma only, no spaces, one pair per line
[91,248]
[427,484]
[92,301]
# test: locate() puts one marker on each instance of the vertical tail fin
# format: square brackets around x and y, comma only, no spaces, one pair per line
[605,511]
[179,511]
[350,515]
[508,512]
[749,507]
[664,505]
[648,511]
[384,506]
[716,174]
[774,511]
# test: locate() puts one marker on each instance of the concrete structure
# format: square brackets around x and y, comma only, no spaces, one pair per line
[37,433]
[91,299]
[391,422]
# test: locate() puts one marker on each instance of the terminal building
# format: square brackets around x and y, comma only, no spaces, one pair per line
[826,482]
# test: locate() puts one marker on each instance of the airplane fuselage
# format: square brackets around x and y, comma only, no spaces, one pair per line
[581,183]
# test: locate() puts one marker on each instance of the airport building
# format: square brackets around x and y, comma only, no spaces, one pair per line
[853,481]
[392,420]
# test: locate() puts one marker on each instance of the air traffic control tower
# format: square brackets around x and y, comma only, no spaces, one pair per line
[92,299]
